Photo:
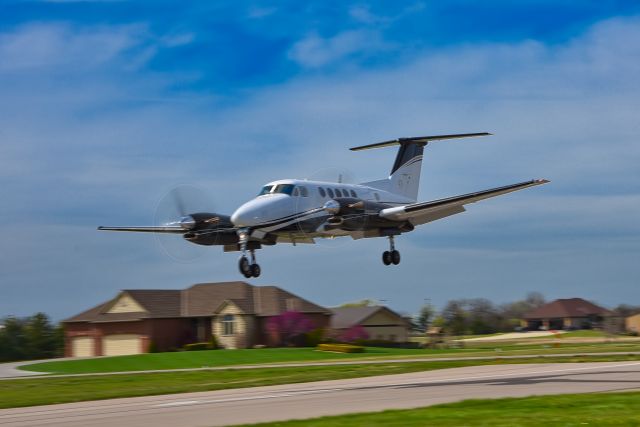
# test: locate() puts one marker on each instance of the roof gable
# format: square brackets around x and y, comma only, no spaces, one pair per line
[124,303]
[346,317]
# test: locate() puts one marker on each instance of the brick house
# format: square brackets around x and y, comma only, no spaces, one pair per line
[235,312]
[571,313]
[379,322]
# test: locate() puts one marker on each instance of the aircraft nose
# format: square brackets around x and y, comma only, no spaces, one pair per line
[244,216]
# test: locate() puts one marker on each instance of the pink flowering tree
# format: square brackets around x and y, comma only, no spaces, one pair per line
[355,333]
[288,328]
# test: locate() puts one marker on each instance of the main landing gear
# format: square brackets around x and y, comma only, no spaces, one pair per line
[248,269]
[392,256]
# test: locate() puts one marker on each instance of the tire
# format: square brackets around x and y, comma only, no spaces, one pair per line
[395,257]
[255,270]
[244,266]
[386,257]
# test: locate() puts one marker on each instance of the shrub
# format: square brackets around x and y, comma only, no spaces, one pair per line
[341,348]
[196,346]
[153,348]
[355,333]
[213,343]
[314,337]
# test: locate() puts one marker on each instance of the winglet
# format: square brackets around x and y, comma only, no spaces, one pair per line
[424,140]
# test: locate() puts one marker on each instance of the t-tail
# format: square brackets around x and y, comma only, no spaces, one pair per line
[405,173]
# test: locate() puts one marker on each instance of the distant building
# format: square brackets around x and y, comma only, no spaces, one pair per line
[235,312]
[571,313]
[380,323]
[632,323]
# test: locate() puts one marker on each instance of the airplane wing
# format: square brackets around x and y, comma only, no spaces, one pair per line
[423,212]
[161,229]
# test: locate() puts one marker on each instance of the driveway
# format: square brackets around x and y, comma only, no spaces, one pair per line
[516,335]
[10,370]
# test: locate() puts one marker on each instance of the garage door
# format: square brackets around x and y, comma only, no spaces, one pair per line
[82,347]
[117,345]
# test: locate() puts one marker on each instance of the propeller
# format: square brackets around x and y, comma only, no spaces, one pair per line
[177,207]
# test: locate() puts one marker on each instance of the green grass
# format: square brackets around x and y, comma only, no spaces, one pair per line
[43,390]
[211,358]
[223,358]
[610,409]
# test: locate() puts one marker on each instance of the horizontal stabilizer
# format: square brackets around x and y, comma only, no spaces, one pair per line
[424,140]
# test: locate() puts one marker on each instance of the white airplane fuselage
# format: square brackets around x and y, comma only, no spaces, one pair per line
[302,202]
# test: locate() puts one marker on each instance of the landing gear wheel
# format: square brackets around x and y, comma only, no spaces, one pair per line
[244,266]
[255,270]
[395,257]
[386,257]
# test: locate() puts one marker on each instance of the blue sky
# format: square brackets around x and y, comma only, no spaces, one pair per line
[107,105]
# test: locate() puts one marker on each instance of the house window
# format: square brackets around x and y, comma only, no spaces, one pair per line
[227,324]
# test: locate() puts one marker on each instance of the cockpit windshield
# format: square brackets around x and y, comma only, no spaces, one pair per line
[278,188]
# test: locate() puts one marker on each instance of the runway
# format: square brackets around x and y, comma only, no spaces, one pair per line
[306,400]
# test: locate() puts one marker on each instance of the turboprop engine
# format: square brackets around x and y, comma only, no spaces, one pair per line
[204,228]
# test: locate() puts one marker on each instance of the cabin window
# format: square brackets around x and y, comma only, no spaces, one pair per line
[353,194]
[338,193]
[304,192]
[265,190]
[322,192]
[228,324]
[283,188]
[330,191]
[296,192]
[377,196]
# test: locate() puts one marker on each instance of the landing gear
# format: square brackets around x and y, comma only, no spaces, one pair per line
[392,256]
[247,268]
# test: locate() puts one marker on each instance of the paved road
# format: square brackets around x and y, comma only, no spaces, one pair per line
[334,397]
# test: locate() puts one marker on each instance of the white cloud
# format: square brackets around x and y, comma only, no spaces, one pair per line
[49,46]
[315,51]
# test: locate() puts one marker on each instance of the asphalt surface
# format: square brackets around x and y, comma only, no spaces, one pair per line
[306,400]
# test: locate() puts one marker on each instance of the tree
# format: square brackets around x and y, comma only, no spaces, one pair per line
[367,302]
[427,312]
[13,343]
[355,333]
[455,317]
[289,328]
[40,337]
[30,338]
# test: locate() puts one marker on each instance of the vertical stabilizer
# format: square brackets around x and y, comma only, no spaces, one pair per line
[404,179]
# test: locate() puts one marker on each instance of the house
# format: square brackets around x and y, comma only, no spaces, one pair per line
[632,324]
[380,323]
[571,313]
[138,320]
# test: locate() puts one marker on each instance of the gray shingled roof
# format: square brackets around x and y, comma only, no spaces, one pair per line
[202,300]
[571,307]
[346,317]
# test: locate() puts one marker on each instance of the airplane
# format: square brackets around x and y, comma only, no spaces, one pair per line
[300,211]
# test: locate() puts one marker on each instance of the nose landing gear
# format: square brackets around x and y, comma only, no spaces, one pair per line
[248,269]
[391,256]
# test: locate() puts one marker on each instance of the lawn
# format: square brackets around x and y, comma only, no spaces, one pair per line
[43,390]
[610,409]
[212,358]
[223,358]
